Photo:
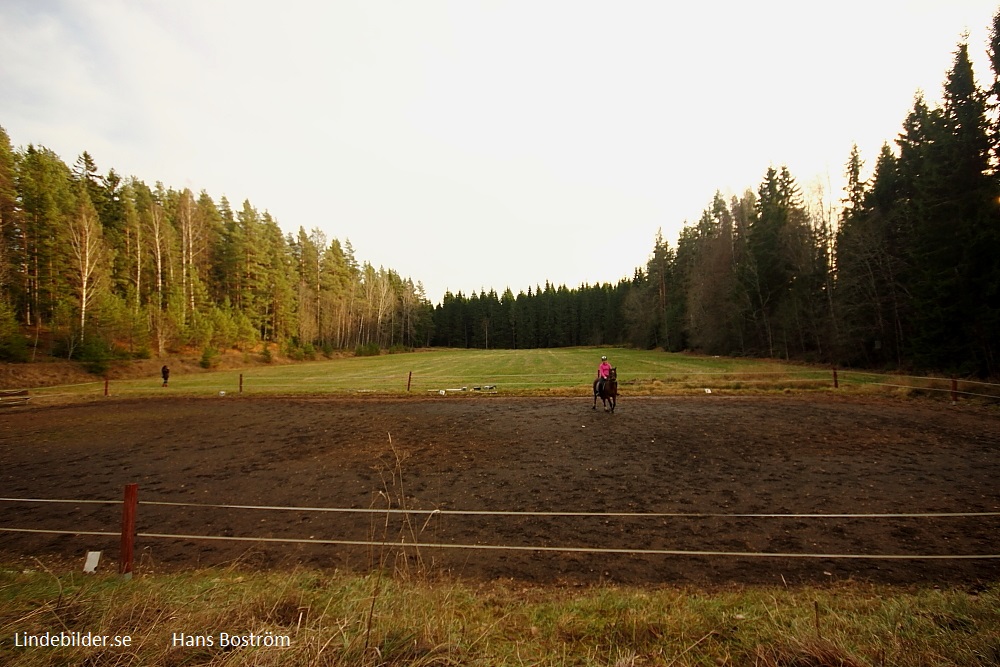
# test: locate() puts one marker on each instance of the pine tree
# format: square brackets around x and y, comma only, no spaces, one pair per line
[9,226]
[47,201]
[711,312]
[945,164]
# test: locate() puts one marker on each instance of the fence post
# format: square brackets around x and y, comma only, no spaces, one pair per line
[954,391]
[241,383]
[409,379]
[836,383]
[105,385]
[129,506]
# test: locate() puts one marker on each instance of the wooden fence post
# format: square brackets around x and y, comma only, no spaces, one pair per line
[409,379]
[836,383]
[129,506]
[954,391]
[241,383]
[105,385]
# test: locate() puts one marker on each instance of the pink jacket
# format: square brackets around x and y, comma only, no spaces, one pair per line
[603,370]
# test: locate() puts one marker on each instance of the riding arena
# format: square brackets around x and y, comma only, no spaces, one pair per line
[697,489]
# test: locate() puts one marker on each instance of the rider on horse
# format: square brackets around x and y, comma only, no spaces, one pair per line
[602,375]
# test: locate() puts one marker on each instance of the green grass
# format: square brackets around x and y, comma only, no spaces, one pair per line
[339,619]
[565,371]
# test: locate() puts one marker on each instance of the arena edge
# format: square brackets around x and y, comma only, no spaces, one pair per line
[231,641]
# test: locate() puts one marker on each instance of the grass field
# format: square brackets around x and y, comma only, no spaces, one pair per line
[552,372]
[566,371]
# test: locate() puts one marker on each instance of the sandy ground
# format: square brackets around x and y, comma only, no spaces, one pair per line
[690,455]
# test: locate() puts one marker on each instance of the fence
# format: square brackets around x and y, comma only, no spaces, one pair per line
[130,504]
[414,383]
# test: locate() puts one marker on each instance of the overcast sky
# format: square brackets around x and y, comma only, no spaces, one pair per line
[469,144]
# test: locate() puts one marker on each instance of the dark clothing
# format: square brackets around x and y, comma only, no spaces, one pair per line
[165,372]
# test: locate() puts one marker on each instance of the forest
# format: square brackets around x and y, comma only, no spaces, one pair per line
[103,267]
[903,273]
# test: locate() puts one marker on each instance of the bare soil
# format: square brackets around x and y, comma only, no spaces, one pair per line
[693,455]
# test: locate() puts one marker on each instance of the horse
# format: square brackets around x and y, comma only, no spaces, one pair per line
[609,392]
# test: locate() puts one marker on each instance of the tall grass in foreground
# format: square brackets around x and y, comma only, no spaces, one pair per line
[338,619]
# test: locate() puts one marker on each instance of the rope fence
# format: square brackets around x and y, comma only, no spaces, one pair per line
[446,512]
[129,505]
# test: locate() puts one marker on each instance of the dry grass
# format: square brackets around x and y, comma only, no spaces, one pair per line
[338,619]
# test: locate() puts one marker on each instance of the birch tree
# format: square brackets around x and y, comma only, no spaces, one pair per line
[88,255]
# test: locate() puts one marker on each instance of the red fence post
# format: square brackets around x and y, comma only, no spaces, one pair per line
[409,379]
[128,530]
[836,384]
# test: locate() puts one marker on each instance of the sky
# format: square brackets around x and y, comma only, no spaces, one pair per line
[471,144]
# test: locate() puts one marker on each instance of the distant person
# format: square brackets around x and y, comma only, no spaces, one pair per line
[602,375]
[165,372]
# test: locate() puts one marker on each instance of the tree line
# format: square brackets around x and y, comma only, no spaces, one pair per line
[95,266]
[903,274]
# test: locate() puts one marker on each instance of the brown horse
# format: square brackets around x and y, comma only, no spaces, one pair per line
[608,392]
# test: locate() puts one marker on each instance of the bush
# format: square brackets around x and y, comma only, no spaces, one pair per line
[14,347]
[367,350]
[209,357]
[201,331]
[294,352]
[13,344]
[96,354]
[299,352]
[246,334]
[225,330]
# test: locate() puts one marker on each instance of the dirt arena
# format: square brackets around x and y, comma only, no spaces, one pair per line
[694,455]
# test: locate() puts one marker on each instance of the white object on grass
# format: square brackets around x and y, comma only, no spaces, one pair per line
[90,565]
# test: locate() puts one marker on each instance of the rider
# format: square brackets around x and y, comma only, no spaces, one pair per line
[602,375]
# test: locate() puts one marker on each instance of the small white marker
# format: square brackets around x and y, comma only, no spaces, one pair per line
[90,565]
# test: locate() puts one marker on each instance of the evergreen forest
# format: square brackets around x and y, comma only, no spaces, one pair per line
[902,273]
